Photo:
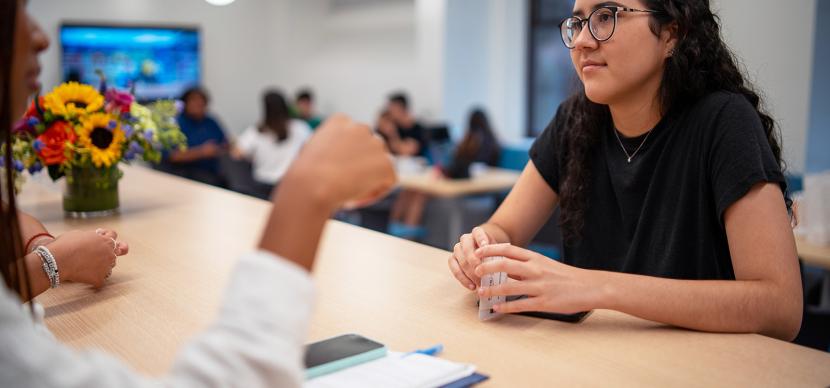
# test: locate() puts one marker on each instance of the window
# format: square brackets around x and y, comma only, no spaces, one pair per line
[551,76]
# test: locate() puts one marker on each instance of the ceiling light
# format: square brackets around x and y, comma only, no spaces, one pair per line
[220,2]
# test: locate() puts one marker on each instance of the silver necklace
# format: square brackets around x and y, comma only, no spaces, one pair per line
[630,156]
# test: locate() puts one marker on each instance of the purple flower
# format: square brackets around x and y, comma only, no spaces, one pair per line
[32,121]
[148,135]
[18,165]
[112,124]
[22,126]
[128,130]
[35,167]
[37,145]
[134,150]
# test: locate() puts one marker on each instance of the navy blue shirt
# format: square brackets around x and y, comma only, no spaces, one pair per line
[199,132]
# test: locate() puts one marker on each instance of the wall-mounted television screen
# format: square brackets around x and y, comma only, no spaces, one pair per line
[156,62]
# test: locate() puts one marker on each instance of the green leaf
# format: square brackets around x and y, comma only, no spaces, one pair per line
[55,172]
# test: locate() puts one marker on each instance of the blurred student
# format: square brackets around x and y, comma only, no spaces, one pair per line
[479,145]
[206,141]
[304,109]
[404,137]
[274,143]
[408,137]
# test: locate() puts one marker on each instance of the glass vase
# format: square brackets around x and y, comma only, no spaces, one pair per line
[91,192]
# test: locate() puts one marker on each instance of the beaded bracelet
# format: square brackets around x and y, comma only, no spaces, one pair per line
[50,266]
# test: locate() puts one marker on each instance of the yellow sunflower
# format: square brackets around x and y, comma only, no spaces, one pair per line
[73,99]
[101,135]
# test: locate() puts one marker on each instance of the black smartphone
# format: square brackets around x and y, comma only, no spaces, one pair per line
[333,354]
[570,318]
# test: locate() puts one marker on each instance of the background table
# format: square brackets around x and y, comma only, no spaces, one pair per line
[818,256]
[450,193]
[185,238]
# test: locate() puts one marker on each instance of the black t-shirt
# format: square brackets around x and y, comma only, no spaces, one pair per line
[415,132]
[662,213]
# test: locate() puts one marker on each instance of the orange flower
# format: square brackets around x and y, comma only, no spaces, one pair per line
[53,150]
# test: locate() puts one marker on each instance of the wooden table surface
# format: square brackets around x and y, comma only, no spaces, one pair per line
[816,255]
[489,180]
[185,238]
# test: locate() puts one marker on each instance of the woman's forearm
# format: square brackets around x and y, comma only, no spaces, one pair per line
[496,232]
[741,306]
[296,222]
[30,227]
[38,281]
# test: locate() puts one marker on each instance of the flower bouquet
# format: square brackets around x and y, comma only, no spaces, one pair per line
[82,134]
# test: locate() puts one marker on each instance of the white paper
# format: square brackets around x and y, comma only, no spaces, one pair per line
[396,370]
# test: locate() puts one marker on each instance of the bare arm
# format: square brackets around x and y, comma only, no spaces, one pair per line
[528,206]
[30,227]
[81,256]
[296,222]
[205,151]
[765,298]
[321,179]
[403,147]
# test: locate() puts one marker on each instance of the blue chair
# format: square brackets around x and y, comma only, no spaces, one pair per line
[514,157]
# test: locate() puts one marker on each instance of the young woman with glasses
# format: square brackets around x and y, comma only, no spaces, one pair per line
[668,174]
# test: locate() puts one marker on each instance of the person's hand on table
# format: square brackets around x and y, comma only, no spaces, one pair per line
[550,286]
[87,256]
[464,259]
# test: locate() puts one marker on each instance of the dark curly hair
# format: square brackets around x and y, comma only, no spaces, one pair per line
[701,64]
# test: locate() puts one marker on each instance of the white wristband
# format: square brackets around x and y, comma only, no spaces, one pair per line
[50,266]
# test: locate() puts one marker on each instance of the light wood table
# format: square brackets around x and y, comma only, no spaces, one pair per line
[490,180]
[450,193]
[185,238]
[818,256]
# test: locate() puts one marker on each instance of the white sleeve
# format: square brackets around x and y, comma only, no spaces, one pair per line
[303,130]
[256,341]
[247,140]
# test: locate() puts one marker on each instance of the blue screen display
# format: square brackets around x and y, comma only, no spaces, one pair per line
[156,62]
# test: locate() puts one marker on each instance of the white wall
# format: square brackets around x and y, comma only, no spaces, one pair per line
[774,40]
[448,54]
[485,64]
[352,55]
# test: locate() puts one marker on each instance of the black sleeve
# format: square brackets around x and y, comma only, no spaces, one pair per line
[740,155]
[418,134]
[545,153]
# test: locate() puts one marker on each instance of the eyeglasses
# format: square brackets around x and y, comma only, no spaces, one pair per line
[601,22]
